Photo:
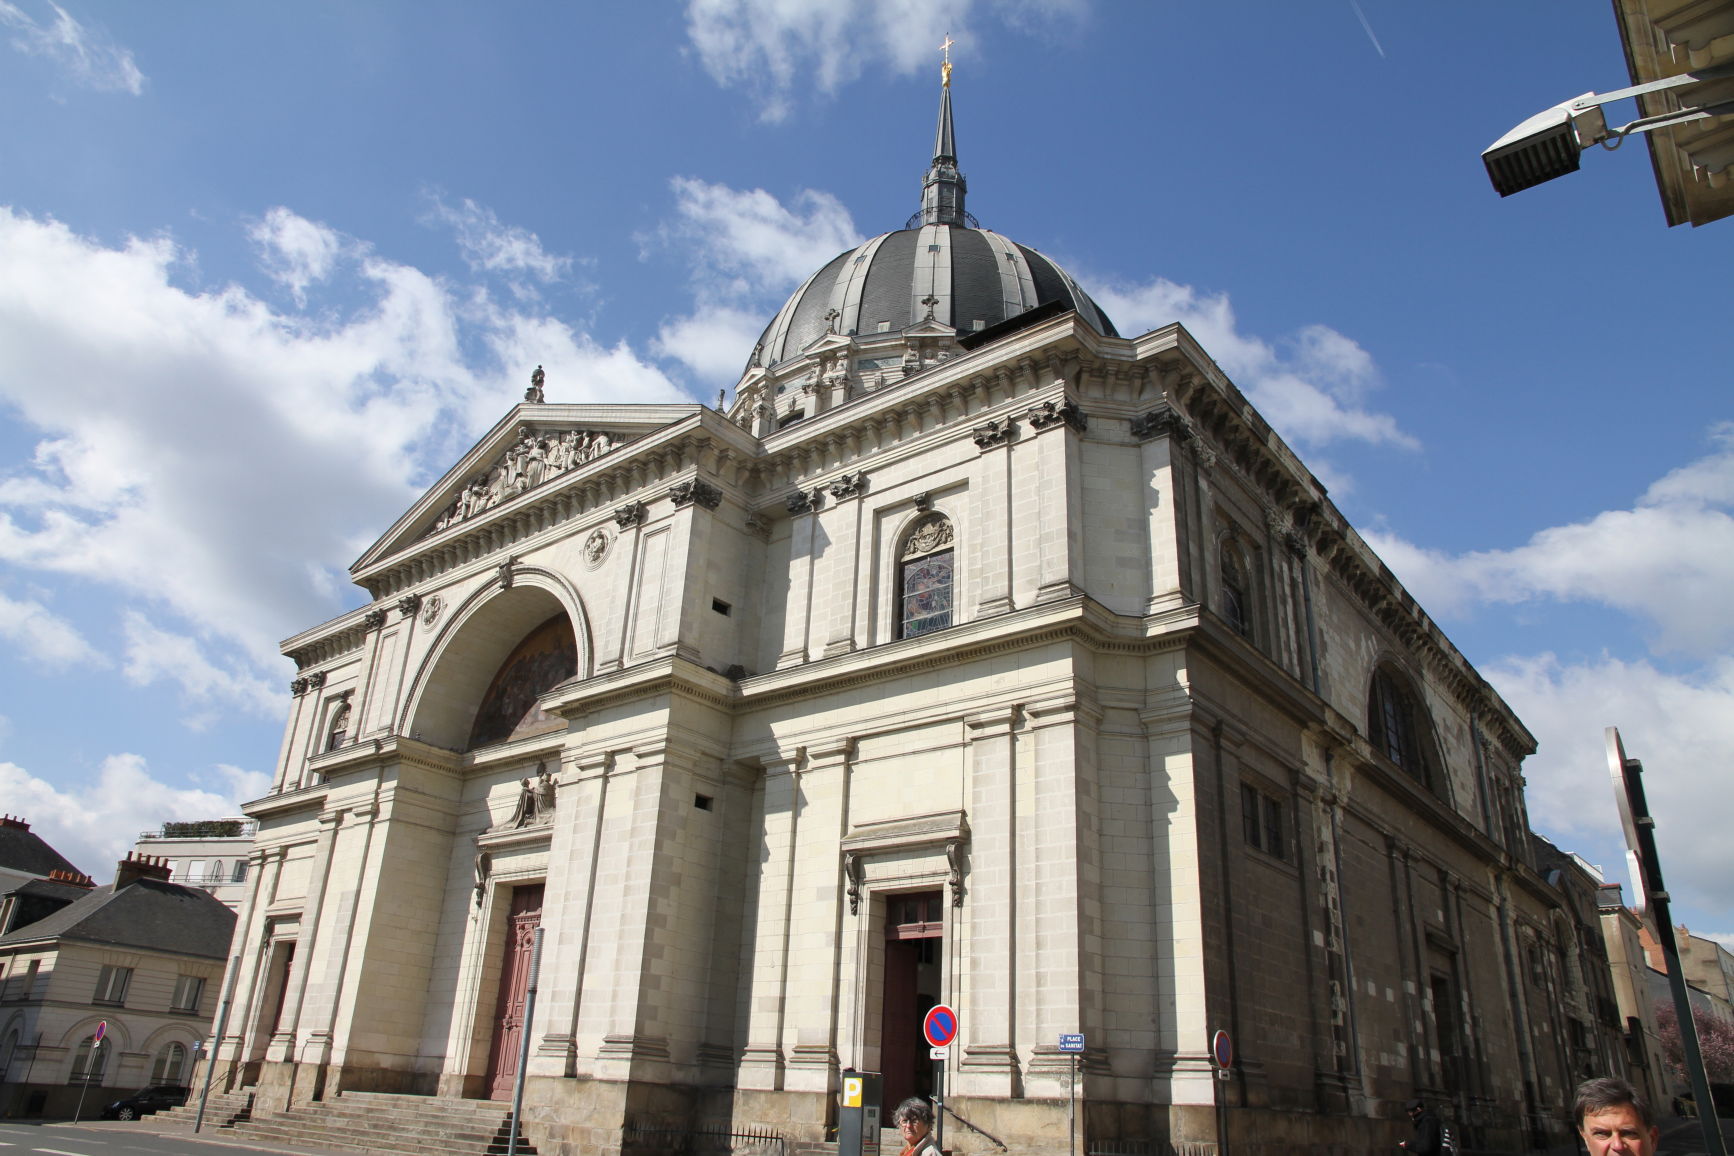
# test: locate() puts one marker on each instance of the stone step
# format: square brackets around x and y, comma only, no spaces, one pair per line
[385,1123]
[221,1110]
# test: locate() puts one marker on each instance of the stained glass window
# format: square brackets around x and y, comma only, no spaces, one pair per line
[925,579]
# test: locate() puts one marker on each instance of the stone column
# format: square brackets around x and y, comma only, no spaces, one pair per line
[574,849]
[797,614]
[990,1059]
[282,1047]
[810,1029]
[841,577]
[989,528]
[1059,521]
[762,1060]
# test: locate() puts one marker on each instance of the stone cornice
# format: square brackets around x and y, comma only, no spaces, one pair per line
[308,799]
[377,753]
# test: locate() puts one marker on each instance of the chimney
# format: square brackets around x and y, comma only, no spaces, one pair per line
[71,878]
[14,822]
[135,867]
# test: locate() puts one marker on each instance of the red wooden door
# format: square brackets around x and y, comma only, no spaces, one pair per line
[509,1026]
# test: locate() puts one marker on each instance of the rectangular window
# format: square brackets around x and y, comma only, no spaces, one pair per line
[195,870]
[111,985]
[188,989]
[1261,822]
[23,983]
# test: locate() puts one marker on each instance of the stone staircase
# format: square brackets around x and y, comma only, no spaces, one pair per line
[390,1125]
[221,1110]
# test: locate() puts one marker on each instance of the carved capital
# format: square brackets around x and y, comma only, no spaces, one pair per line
[1047,415]
[688,492]
[507,572]
[997,432]
[924,501]
[408,605]
[849,485]
[806,501]
[316,680]
[298,686]
[629,515]
[758,525]
[373,620]
[1164,422]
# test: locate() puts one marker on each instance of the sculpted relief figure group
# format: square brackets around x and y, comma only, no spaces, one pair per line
[530,462]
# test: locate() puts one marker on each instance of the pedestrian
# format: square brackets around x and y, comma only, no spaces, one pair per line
[1613,1119]
[1428,1139]
[914,1118]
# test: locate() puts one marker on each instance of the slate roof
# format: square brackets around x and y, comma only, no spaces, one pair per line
[23,850]
[149,914]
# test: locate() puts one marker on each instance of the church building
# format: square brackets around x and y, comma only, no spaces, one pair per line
[974,654]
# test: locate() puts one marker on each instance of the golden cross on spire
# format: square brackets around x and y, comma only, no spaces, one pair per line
[945,68]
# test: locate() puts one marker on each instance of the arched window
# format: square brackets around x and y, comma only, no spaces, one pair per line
[339,728]
[240,873]
[1398,725]
[924,578]
[1236,591]
[89,1062]
[170,1066]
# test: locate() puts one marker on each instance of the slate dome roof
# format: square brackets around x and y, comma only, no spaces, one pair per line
[971,278]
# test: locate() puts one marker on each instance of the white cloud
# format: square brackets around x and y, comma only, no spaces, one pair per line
[296,252]
[96,824]
[213,460]
[747,241]
[749,251]
[88,56]
[42,635]
[1680,725]
[157,655]
[1668,560]
[1311,387]
[490,246]
[772,47]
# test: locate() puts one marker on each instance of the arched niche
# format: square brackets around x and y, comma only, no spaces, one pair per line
[478,643]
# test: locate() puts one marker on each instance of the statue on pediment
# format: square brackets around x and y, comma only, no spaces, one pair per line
[536,457]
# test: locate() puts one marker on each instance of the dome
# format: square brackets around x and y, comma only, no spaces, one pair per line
[975,278]
[942,268]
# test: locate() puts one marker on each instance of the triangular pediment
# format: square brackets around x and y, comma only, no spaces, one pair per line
[533,447]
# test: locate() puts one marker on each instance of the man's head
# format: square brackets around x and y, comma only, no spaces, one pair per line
[1614,1120]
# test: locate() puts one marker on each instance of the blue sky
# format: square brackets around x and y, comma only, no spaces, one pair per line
[265,270]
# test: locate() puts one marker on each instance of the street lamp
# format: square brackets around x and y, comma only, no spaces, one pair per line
[1549,144]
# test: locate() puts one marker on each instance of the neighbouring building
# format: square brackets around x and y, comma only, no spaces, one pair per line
[142,956]
[207,853]
[25,855]
[975,654]
[1636,992]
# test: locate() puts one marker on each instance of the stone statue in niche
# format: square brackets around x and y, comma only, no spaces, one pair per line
[544,797]
[535,801]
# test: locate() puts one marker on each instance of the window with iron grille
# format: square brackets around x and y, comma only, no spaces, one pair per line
[1261,822]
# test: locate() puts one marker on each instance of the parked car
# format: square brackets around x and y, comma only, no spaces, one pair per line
[156,1098]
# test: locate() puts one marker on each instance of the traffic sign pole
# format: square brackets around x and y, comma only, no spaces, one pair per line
[939,1025]
[1072,1044]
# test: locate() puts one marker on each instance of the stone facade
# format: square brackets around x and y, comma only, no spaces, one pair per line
[1181,757]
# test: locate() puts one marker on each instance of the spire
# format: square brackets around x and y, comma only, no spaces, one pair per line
[943,188]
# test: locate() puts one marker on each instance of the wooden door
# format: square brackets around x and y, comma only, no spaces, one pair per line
[509,1026]
[913,934]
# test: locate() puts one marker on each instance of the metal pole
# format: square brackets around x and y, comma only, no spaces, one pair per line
[84,1084]
[524,1044]
[939,1104]
[1653,901]
[217,1040]
[1072,1109]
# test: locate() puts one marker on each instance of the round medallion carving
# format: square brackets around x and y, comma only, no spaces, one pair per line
[596,548]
